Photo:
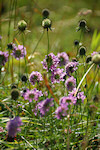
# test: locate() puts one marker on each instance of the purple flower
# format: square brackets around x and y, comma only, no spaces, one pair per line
[19,52]
[68,100]
[1,129]
[63,57]
[35,76]
[3,58]
[70,83]
[57,75]
[80,96]
[45,105]
[13,126]
[61,111]
[32,95]
[50,62]
[71,67]
[92,54]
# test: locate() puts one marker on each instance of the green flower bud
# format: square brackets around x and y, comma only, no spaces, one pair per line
[82,50]
[15,94]
[96,59]
[46,23]
[22,25]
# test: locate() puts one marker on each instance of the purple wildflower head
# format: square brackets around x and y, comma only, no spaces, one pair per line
[71,67]
[63,57]
[32,95]
[50,62]
[70,83]
[61,111]
[80,96]
[35,76]
[68,100]
[57,75]
[19,52]
[92,54]
[3,58]
[45,105]
[13,126]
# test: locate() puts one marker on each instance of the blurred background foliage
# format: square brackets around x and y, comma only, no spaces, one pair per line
[65,15]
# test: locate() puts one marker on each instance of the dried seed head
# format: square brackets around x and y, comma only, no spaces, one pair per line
[15,94]
[88,59]
[45,13]
[96,58]
[22,25]
[82,24]
[76,42]
[24,78]
[13,86]
[82,50]
[46,23]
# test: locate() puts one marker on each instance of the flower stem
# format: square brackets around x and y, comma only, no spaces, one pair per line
[38,42]
[48,42]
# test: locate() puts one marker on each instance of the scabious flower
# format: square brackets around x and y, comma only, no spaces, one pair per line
[70,83]
[19,52]
[61,111]
[35,76]
[3,58]
[13,127]
[32,95]
[45,105]
[69,100]
[50,62]
[71,67]
[63,57]
[80,96]
[57,75]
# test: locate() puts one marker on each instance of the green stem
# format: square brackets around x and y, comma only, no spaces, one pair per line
[48,42]
[38,42]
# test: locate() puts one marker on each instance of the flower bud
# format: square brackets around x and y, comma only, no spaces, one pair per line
[46,23]
[96,58]
[82,50]
[15,94]
[45,13]
[22,25]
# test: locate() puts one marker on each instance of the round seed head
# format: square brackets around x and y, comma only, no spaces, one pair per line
[15,94]
[46,23]
[22,25]
[82,24]
[82,50]
[13,86]
[24,78]
[96,58]
[45,13]
[10,46]
[88,59]
[76,42]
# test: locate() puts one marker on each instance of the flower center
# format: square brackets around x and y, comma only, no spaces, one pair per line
[57,76]
[31,96]
[18,53]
